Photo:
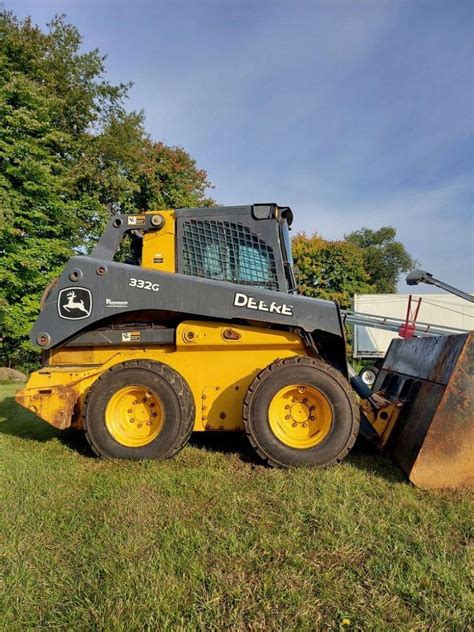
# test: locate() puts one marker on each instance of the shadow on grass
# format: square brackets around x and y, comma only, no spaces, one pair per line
[17,422]
[365,456]
[235,443]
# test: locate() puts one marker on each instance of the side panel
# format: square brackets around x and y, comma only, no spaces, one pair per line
[91,292]
[217,361]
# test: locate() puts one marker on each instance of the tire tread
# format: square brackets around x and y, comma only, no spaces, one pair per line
[173,378]
[307,361]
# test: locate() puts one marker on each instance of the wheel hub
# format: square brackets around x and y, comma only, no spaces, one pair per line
[134,416]
[300,416]
[299,412]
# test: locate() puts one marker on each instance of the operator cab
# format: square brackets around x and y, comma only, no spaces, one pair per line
[248,245]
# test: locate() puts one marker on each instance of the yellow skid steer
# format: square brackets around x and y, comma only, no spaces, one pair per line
[201,329]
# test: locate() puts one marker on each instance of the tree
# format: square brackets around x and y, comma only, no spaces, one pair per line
[70,156]
[385,258]
[331,270]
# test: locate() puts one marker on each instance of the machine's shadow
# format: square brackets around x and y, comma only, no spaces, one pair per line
[27,426]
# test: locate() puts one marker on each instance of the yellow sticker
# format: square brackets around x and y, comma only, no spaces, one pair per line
[136,220]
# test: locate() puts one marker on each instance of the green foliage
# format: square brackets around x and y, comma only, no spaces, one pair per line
[331,270]
[385,258]
[367,261]
[70,156]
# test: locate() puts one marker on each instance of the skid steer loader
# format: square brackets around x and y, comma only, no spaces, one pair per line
[201,329]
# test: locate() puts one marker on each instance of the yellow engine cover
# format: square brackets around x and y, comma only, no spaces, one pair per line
[218,360]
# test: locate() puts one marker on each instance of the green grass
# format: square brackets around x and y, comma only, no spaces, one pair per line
[214,540]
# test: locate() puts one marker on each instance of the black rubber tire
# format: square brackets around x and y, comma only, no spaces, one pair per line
[369,371]
[167,384]
[331,383]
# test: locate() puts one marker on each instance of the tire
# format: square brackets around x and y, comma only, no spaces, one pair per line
[368,375]
[317,377]
[163,385]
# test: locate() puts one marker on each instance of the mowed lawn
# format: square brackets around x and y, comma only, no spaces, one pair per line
[216,541]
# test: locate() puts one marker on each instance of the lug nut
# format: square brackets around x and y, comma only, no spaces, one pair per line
[294,424]
[129,410]
[287,407]
[148,423]
[312,418]
[304,425]
[153,414]
[301,389]
[139,425]
[132,420]
[287,416]
[305,400]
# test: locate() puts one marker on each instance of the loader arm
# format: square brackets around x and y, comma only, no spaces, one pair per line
[112,290]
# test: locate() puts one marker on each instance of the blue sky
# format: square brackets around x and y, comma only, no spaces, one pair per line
[353,112]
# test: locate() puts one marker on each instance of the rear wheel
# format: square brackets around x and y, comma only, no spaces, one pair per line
[139,410]
[301,412]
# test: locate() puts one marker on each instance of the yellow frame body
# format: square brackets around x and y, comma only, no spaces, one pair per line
[218,361]
[159,246]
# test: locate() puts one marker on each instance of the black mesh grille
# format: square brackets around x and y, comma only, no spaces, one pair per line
[227,251]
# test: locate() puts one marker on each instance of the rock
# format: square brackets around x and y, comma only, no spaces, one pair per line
[11,375]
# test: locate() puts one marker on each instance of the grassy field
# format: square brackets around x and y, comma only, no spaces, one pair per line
[214,540]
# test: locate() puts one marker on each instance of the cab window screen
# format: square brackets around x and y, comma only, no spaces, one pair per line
[228,251]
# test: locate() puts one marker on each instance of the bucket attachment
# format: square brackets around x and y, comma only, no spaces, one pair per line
[432,380]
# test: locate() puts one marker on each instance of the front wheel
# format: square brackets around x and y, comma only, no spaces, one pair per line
[301,412]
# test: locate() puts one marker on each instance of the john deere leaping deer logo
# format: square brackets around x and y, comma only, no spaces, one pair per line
[74,303]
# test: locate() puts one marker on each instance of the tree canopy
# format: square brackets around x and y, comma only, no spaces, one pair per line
[70,156]
[365,262]
[331,270]
[385,258]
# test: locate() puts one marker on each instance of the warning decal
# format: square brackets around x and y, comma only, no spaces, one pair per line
[131,336]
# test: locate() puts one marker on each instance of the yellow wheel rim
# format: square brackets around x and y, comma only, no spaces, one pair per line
[134,416]
[300,416]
